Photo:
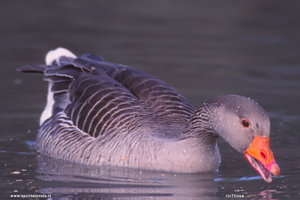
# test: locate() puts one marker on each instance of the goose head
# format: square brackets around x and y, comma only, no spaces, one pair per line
[245,126]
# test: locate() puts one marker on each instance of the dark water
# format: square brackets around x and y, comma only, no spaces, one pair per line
[202,48]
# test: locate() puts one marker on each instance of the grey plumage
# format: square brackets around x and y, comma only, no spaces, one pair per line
[109,114]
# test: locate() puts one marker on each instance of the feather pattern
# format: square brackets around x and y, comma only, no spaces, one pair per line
[102,96]
[93,102]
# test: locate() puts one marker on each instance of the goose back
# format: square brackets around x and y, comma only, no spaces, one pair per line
[103,98]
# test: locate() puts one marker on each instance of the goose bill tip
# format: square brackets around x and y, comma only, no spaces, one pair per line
[261,158]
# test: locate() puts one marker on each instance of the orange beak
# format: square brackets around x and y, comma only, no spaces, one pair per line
[261,158]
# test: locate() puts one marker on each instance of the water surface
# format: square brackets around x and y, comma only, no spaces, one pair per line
[203,49]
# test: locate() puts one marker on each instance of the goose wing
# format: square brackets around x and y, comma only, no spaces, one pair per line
[103,98]
[164,101]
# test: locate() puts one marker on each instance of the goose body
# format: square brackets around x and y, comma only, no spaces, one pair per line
[101,113]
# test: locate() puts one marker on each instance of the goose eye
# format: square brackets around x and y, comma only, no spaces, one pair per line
[245,123]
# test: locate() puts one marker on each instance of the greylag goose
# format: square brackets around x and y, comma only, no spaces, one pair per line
[101,113]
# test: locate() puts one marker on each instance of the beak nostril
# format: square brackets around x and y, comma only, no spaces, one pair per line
[263,155]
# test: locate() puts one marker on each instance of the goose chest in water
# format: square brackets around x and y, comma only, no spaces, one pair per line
[101,113]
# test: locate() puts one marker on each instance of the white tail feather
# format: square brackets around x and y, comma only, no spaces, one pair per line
[52,56]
